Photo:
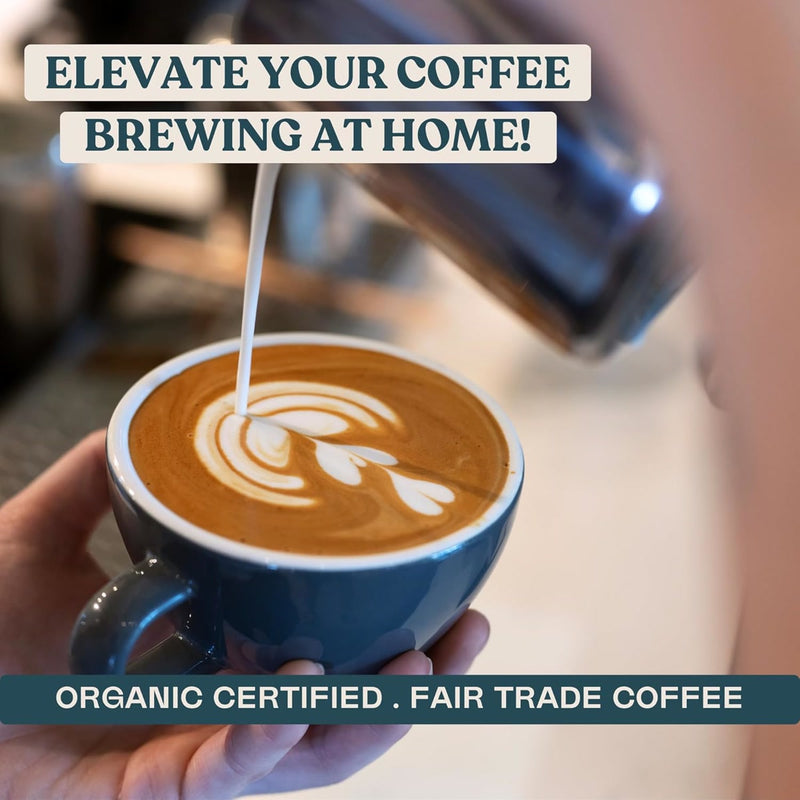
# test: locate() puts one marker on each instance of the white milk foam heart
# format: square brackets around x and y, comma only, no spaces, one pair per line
[252,454]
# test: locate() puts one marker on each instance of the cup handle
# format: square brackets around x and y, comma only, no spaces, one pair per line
[112,621]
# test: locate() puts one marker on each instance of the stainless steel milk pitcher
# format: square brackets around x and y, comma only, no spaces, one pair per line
[582,248]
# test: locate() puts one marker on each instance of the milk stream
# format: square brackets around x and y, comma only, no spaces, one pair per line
[251,452]
[266,178]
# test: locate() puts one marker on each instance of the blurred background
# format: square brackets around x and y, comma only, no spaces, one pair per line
[620,560]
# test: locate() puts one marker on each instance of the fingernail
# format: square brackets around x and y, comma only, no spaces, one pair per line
[318,667]
[430,665]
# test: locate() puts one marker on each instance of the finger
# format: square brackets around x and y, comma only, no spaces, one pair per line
[238,755]
[413,662]
[454,653]
[330,753]
[58,511]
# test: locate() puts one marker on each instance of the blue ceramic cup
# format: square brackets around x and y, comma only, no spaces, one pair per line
[252,609]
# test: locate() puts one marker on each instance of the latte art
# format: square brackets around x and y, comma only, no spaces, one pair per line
[343,450]
[254,454]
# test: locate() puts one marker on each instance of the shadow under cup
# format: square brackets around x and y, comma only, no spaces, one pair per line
[251,609]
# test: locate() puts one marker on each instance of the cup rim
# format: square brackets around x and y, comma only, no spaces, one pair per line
[123,471]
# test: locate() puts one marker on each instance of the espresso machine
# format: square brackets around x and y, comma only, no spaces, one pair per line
[585,248]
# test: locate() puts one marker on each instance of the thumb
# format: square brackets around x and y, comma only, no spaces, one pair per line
[56,513]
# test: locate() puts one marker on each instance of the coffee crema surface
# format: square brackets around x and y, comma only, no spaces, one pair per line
[343,451]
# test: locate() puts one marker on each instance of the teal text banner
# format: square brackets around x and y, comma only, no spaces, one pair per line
[476,699]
